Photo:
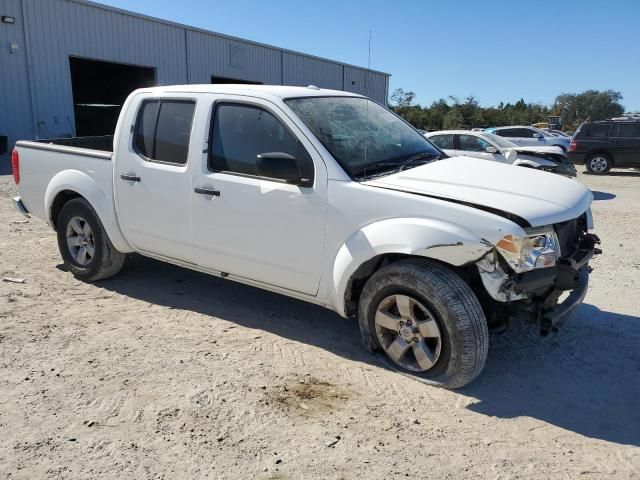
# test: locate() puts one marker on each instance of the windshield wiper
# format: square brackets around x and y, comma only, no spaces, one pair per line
[420,159]
[385,168]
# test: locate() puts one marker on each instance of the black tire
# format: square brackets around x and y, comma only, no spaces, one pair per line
[595,161]
[106,260]
[464,335]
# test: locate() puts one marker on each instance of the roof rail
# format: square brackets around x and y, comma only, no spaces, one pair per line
[635,118]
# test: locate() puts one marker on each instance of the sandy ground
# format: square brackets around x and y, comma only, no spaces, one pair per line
[166,373]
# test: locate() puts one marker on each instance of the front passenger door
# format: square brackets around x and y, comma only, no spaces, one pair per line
[258,228]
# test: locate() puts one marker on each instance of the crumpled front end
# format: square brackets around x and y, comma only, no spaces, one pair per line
[525,291]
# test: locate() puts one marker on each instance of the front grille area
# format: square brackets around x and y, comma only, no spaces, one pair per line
[570,233]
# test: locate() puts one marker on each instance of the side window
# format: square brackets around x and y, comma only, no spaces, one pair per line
[525,133]
[241,132]
[443,141]
[599,130]
[163,130]
[626,130]
[146,128]
[507,132]
[471,143]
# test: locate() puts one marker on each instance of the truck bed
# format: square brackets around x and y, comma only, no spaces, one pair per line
[103,143]
[75,162]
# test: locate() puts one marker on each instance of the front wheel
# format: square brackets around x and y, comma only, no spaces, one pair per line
[84,245]
[426,320]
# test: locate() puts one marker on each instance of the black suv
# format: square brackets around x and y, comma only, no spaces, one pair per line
[606,144]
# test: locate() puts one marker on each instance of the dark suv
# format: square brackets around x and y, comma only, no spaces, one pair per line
[606,144]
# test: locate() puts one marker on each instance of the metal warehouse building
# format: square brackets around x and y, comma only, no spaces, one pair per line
[66,66]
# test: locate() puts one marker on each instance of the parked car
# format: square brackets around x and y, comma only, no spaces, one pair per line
[521,135]
[607,144]
[488,146]
[287,189]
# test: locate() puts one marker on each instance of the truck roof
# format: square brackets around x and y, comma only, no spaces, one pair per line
[264,91]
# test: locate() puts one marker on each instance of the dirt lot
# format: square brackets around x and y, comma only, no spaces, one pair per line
[166,373]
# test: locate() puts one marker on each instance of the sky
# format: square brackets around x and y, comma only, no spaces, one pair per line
[496,50]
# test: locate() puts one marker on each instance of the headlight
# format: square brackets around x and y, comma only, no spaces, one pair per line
[538,249]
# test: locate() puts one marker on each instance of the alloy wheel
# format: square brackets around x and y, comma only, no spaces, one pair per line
[408,332]
[80,241]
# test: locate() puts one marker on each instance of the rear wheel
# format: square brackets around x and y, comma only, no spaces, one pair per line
[84,245]
[599,163]
[426,320]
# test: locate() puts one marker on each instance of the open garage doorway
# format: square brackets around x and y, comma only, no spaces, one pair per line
[218,80]
[99,90]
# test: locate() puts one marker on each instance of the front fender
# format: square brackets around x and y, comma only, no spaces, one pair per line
[82,184]
[429,238]
[537,163]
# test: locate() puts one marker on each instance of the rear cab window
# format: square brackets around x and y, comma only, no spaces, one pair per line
[163,130]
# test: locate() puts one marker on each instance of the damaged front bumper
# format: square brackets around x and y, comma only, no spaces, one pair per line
[535,295]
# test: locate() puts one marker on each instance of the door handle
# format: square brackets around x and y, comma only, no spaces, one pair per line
[207,191]
[130,177]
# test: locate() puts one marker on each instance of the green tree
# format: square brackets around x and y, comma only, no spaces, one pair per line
[453,118]
[400,98]
[591,105]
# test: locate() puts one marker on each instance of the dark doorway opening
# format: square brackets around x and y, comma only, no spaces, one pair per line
[99,90]
[218,80]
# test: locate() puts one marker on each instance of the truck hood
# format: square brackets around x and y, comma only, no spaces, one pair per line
[538,197]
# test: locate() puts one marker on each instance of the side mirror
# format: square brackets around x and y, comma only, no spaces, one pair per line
[491,150]
[279,165]
[537,135]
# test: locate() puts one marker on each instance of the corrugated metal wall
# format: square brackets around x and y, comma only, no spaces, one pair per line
[16,118]
[36,82]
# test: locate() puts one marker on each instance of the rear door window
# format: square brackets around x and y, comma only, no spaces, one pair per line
[443,141]
[507,132]
[599,130]
[524,133]
[163,130]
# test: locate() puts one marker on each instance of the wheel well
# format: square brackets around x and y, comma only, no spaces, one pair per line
[600,152]
[358,280]
[61,199]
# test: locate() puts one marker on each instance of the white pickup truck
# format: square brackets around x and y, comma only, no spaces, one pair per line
[327,197]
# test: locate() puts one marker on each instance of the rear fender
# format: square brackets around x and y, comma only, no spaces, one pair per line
[85,186]
[429,238]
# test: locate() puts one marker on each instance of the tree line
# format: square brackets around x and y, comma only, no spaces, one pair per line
[574,108]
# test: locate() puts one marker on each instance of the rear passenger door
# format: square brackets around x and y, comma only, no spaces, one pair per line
[257,228]
[152,182]
[444,142]
[625,139]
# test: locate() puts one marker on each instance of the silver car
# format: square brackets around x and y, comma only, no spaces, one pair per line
[487,146]
[531,136]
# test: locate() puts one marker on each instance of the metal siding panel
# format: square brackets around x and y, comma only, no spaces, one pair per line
[61,29]
[16,120]
[364,82]
[210,55]
[57,29]
[300,70]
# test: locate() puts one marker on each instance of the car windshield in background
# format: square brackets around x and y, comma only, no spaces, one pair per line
[498,140]
[364,137]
